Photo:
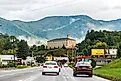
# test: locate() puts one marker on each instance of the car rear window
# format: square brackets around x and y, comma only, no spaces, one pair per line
[83,64]
[50,63]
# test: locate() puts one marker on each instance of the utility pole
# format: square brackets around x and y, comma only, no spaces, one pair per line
[12,41]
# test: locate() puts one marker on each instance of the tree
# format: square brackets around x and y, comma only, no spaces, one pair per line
[1,44]
[63,47]
[43,47]
[23,49]
[100,45]
[93,62]
[92,31]
[40,59]
[119,51]
[85,52]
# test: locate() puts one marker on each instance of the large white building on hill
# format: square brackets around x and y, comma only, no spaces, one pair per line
[60,42]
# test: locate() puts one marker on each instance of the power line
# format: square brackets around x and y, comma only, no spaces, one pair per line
[63,3]
[54,5]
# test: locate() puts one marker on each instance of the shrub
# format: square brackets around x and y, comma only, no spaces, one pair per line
[93,63]
[11,64]
[21,66]
[3,66]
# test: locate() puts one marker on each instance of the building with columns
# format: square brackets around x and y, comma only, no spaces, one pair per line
[60,42]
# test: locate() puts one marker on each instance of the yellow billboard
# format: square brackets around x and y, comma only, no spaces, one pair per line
[49,58]
[97,52]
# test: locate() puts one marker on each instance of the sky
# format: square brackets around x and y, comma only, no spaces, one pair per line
[32,10]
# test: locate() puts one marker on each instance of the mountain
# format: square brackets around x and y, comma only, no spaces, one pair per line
[57,26]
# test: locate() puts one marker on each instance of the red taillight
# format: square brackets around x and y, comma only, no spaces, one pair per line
[90,67]
[44,66]
[77,67]
[55,66]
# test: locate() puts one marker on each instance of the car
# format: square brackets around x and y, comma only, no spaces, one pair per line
[65,65]
[50,67]
[83,68]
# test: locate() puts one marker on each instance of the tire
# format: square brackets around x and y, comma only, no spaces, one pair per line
[57,73]
[90,75]
[74,74]
[43,73]
[59,70]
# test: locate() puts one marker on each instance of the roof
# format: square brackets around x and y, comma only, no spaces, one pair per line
[61,39]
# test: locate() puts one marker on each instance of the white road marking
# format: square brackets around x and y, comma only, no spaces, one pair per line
[33,77]
[14,73]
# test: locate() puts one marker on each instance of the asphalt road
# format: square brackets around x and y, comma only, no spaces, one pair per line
[34,74]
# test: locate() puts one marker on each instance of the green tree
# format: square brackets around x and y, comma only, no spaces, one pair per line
[101,45]
[23,49]
[43,47]
[85,52]
[63,47]
[1,44]
[119,51]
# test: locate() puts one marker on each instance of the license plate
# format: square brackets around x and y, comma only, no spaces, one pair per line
[83,67]
[50,67]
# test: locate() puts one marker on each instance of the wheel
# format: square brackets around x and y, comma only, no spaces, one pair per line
[59,70]
[58,73]
[74,74]
[43,73]
[90,75]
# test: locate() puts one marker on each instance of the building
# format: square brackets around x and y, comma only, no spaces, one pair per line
[5,59]
[30,60]
[60,42]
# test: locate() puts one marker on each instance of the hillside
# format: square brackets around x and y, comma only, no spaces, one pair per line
[110,71]
[113,64]
[100,39]
[57,26]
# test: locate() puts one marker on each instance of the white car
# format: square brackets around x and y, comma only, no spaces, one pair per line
[50,67]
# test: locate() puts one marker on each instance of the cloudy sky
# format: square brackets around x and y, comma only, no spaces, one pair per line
[31,10]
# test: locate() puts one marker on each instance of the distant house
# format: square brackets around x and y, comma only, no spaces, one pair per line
[5,59]
[60,42]
[30,60]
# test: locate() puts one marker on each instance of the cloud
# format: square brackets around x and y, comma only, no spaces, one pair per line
[33,41]
[78,40]
[37,9]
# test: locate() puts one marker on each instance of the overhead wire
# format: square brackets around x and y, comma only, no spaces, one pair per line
[63,3]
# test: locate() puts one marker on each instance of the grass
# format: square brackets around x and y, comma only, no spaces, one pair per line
[111,71]
[111,74]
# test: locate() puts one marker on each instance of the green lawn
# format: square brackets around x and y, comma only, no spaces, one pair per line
[113,74]
[110,71]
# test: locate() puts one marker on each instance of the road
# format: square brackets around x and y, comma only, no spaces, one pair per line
[34,74]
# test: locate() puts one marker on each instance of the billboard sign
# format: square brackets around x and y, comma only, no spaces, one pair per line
[97,52]
[111,51]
